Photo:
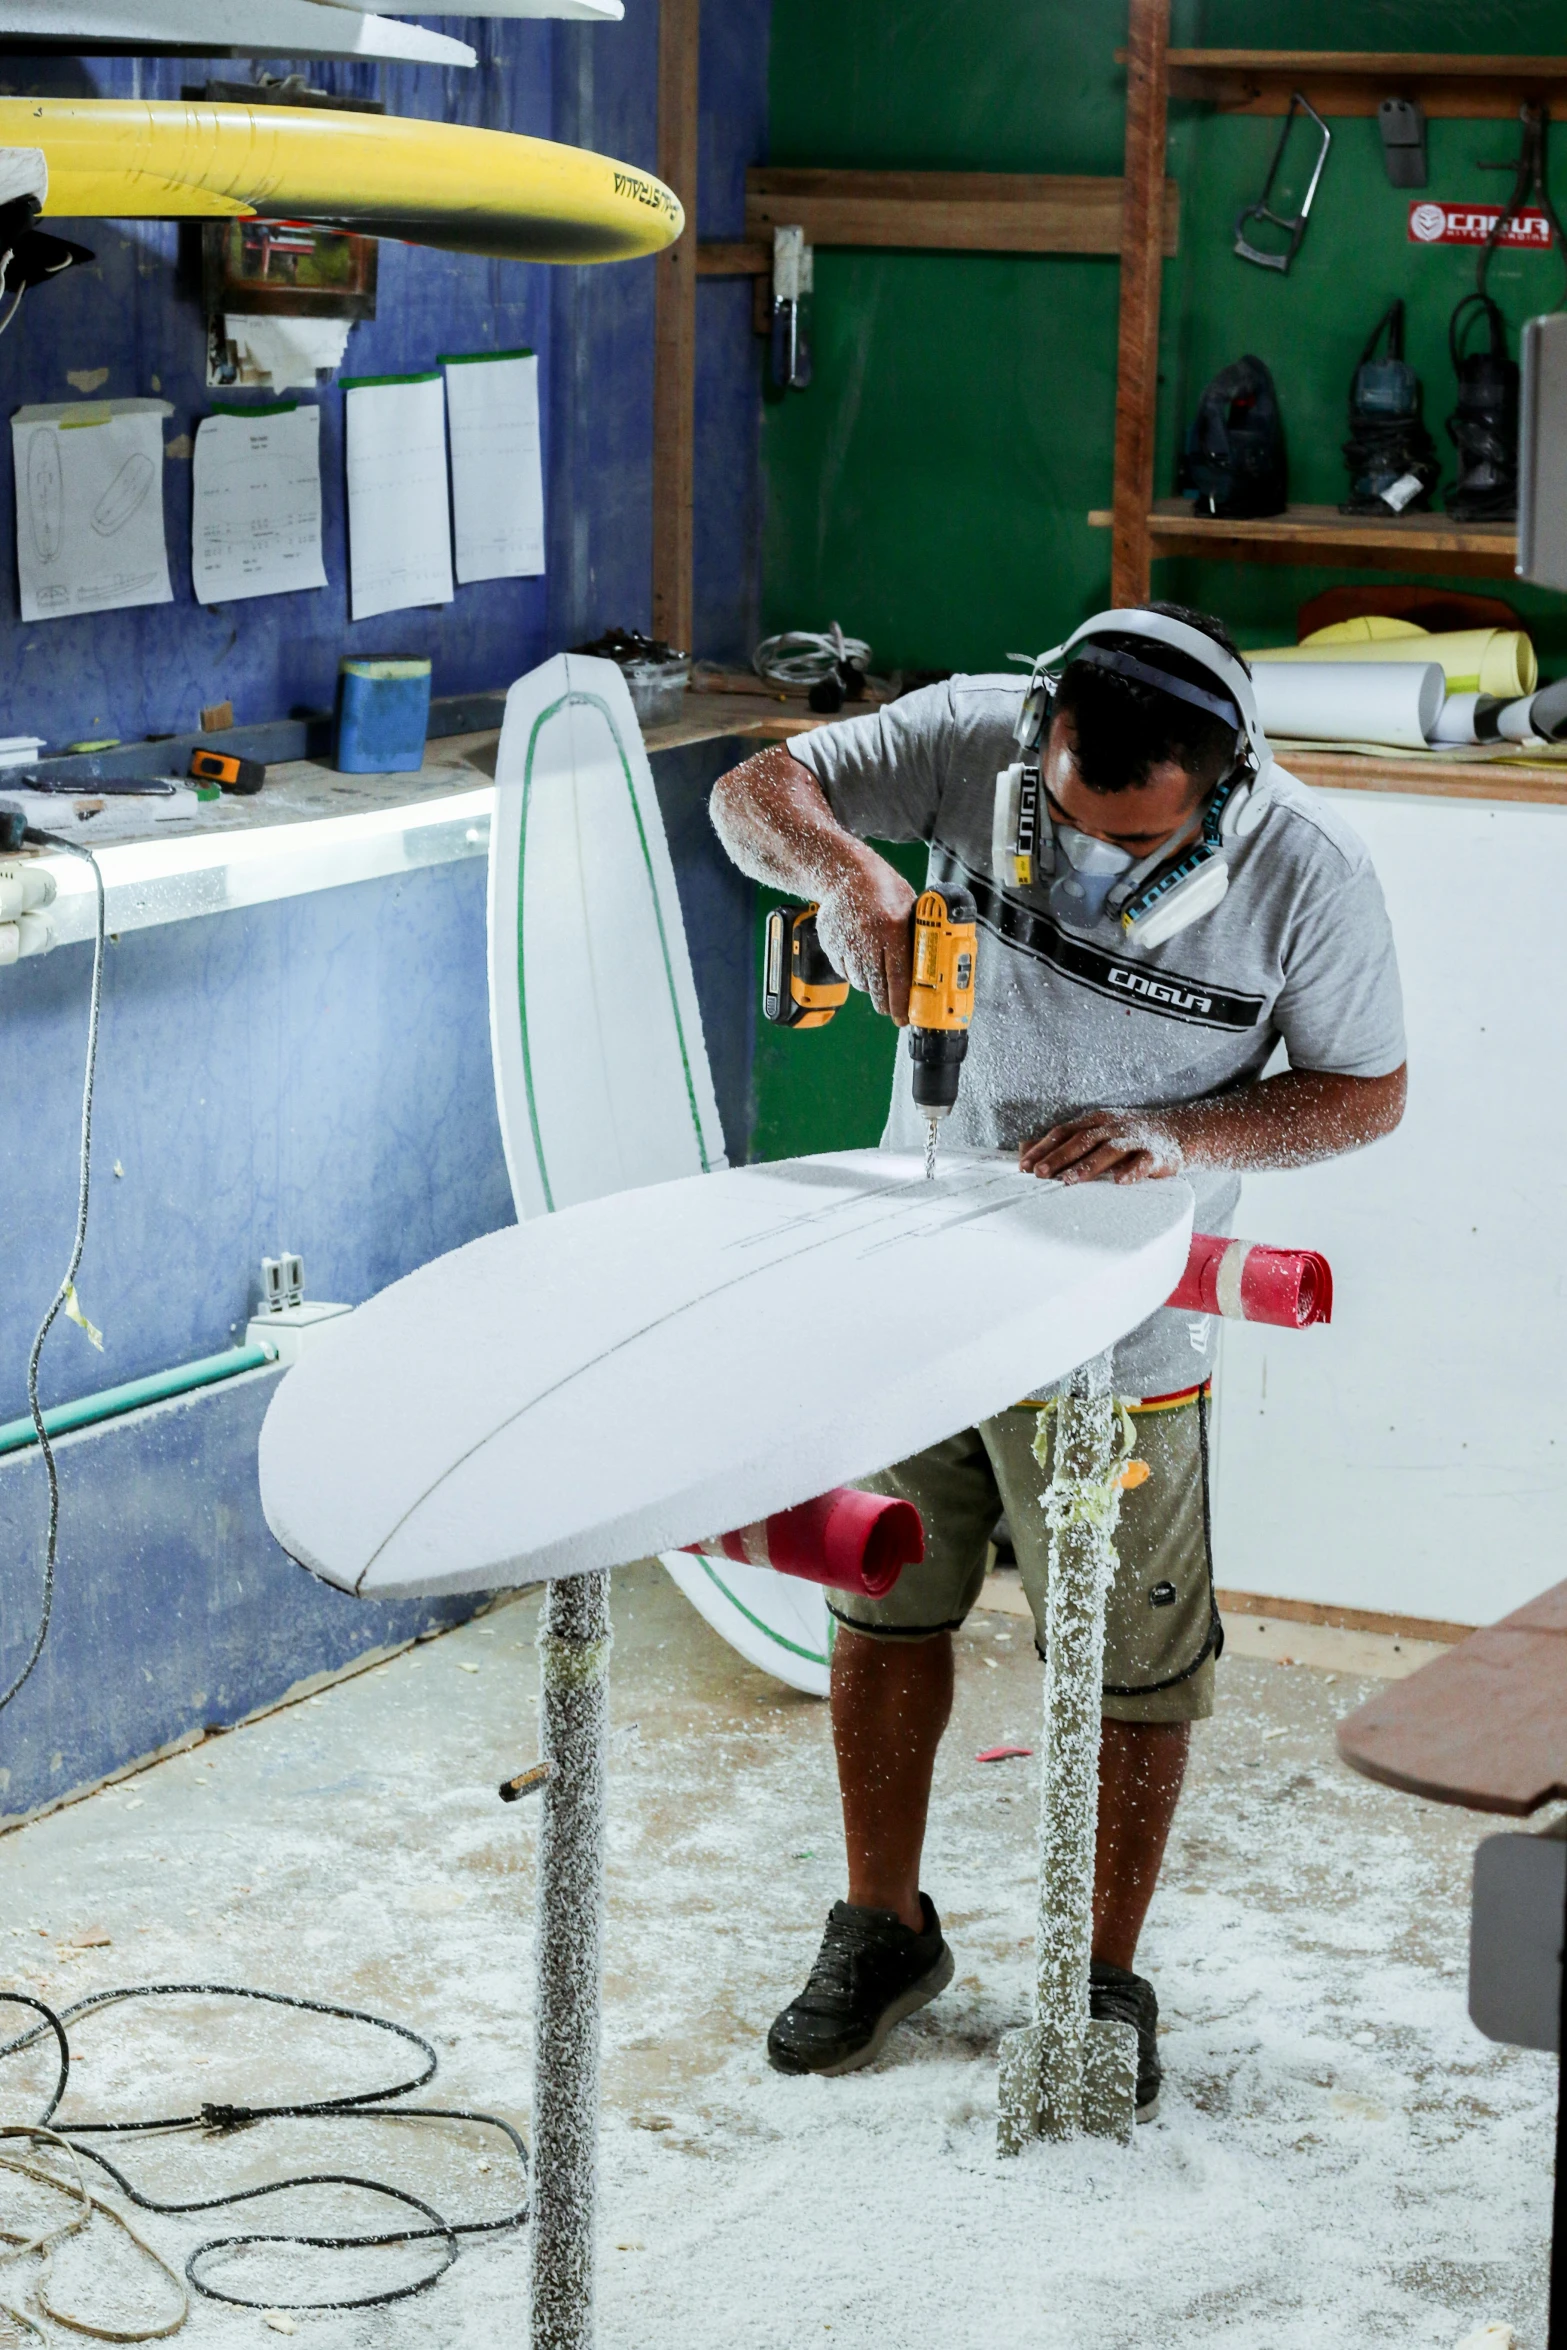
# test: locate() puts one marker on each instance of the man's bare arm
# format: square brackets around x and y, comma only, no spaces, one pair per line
[772,816]
[1286,1121]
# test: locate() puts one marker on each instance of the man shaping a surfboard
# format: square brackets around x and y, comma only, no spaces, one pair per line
[1189,908]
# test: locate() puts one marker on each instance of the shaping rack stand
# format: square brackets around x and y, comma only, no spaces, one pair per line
[1061,2074]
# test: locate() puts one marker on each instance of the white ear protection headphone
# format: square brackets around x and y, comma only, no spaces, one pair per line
[1164,894]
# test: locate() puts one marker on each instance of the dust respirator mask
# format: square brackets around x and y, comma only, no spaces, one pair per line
[1157,896]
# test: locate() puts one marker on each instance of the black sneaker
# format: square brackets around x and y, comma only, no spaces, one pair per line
[1118,1997]
[871,1971]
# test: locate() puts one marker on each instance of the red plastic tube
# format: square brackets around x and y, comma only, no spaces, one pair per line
[1290,1287]
[849,1540]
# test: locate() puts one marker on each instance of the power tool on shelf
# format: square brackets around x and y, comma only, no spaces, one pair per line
[801,989]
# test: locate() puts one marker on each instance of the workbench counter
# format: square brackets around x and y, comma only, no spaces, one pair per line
[310,828]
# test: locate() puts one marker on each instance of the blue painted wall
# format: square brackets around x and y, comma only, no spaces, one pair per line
[175,1609]
[311,1074]
[137,314]
[315,1074]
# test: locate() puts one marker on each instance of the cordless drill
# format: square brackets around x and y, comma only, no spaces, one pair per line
[801,989]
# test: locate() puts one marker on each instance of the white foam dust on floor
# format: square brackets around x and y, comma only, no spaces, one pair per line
[1341,2159]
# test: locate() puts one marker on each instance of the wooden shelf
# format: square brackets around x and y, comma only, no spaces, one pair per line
[1332,769]
[1353,81]
[1321,534]
[946,211]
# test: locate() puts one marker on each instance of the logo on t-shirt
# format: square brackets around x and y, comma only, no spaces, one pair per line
[1169,993]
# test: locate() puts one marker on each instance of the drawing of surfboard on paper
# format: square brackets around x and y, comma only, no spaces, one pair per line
[601,1070]
[45,494]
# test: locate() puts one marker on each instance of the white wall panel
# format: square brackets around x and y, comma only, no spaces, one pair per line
[1413,1457]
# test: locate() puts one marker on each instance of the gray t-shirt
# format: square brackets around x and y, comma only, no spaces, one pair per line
[1066,1017]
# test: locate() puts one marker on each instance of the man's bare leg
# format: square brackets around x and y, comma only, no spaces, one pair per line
[1141,1767]
[891,1700]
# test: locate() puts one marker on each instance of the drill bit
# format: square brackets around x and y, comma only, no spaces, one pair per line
[932,1133]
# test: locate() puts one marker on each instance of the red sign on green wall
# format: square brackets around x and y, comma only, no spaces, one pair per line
[1471,224]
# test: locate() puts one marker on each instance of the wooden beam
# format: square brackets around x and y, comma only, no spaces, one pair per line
[1142,259]
[735,260]
[674,328]
[946,211]
[1350,81]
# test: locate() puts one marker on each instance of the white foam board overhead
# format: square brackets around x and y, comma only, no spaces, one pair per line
[245,28]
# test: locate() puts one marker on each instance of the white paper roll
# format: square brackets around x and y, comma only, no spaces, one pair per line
[1394,702]
[1456,720]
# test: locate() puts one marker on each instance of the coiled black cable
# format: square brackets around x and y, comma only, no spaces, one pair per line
[362,2105]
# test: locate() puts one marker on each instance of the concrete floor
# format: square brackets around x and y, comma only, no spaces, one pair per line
[1340,2159]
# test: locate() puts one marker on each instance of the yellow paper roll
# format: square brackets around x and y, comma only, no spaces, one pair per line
[1364,628]
[1474,660]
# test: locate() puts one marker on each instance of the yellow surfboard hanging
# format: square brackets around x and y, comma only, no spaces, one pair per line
[427,183]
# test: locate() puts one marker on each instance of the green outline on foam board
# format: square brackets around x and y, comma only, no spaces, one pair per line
[812,1656]
[569,700]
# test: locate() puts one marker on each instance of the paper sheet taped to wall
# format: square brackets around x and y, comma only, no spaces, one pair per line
[256,504]
[492,402]
[399,517]
[89,507]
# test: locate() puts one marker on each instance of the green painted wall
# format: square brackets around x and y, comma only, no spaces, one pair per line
[931,489]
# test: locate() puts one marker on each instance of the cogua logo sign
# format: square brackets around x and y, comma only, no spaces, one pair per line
[1471,224]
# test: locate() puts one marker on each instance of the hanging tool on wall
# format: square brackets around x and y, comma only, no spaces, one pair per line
[794,276]
[1531,187]
[1402,122]
[1293,224]
[1391,456]
[802,989]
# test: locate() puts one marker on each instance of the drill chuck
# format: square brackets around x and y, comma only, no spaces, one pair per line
[937,1055]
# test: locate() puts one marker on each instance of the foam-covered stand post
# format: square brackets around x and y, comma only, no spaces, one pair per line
[1065,2072]
[574,1644]
[848,1540]
[1245,1282]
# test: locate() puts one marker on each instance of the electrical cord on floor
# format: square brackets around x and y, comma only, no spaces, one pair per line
[363,2105]
[65,1294]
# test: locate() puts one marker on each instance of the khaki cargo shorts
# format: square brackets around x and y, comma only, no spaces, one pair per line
[1162,1629]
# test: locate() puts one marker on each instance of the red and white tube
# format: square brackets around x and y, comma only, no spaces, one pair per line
[849,1540]
[1244,1282]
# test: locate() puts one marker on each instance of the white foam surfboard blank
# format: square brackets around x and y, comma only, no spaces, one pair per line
[1394,702]
[601,1071]
[774,1621]
[250,28]
[581,11]
[633,1374]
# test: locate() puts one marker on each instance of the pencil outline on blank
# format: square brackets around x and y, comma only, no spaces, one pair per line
[124,495]
[45,493]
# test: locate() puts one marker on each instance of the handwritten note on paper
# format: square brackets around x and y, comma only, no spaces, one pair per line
[399,516]
[492,404]
[256,510]
[89,507]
